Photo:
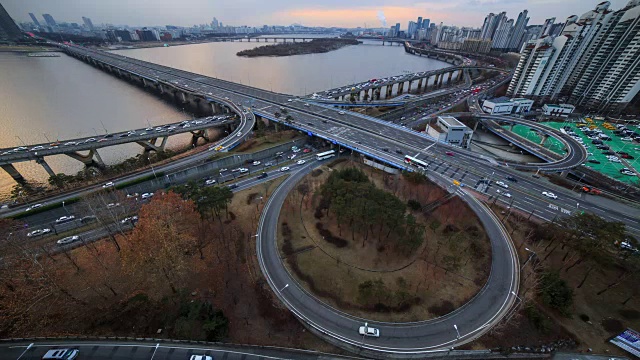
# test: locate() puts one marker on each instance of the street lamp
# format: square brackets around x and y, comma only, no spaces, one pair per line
[457,332]
[516,295]
[532,254]
[284,287]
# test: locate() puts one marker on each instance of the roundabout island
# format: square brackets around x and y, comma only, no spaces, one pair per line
[414,338]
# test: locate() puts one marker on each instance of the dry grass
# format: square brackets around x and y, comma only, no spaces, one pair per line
[317,263]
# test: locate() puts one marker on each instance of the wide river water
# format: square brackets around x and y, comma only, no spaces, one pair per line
[56,98]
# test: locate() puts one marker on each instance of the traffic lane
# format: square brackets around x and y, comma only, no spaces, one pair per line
[436,332]
[144,351]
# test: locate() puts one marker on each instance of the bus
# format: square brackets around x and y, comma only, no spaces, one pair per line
[325,155]
[415,162]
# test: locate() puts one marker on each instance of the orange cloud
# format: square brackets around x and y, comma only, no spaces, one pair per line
[354,17]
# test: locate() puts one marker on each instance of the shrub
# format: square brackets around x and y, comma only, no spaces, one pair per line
[555,292]
[414,205]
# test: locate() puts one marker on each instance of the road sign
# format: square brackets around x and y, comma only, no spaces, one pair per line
[309,133]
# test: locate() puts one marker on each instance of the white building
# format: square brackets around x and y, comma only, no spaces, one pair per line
[561,110]
[504,106]
[594,62]
[450,130]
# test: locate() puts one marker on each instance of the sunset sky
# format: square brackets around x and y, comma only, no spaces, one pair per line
[286,12]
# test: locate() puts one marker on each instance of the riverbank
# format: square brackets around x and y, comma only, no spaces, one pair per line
[314,46]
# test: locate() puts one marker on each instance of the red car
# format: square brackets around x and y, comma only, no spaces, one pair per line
[449,153]
[306,151]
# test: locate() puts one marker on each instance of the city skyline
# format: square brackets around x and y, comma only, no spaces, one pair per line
[330,13]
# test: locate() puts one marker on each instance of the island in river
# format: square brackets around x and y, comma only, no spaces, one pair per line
[298,48]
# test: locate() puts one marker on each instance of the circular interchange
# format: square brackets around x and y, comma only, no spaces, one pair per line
[400,339]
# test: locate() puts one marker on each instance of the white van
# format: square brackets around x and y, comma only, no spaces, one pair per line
[61,354]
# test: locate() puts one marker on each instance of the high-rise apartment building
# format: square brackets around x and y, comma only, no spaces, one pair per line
[515,41]
[595,60]
[419,22]
[88,23]
[425,23]
[502,34]
[49,20]
[8,28]
[35,21]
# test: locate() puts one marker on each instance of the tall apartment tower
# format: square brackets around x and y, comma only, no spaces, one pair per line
[8,28]
[502,34]
[35,21]
[595,61]
[515,41]
[49,20]
[88,23]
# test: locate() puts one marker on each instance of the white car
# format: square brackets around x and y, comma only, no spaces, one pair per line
[502,184]
[341,112]
[292,156]
[131,219]
[300,162]
[505,194]
[210,182]
[289,100]
[39,232]
[64,219]
[34,206]
[256,163]
[284,168]
[108,185]
[131,196]
[549,194]
[369,331]
[296,150]
[36,148]
[90,140]
[112,205]
[147,196]
[200,357]
[243,170]
[68,239]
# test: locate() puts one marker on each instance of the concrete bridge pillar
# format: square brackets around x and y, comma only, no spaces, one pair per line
[88,160]
[400,88]
[449,77]
[441,79]
[389,91]
[182,97]
[196,135]
[13,172]
[435,80]
[409,87]
[144,82]
[161,88]
[217,109]
[376,93]
[420,84]
[47,168]
[511,127]
[460,75]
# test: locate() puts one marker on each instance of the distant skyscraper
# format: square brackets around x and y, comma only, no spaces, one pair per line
[397,29]
[35,21]
[425,23]
[49,20]
[515,42]
[87,23]
[595,60]
[546,27]
[214,23]
[411,28]
[419,25]
[8,28]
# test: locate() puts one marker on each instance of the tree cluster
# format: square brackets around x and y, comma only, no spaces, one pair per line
[357,204]
[297,48]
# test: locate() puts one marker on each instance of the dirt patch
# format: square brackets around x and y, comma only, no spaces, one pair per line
[377,281]
[316,172]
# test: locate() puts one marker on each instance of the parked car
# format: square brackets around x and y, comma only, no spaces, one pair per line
[61,354]
[147,196]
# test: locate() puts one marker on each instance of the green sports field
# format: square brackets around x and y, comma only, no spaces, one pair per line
[606,167]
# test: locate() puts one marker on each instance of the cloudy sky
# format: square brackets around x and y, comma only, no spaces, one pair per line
[285,12]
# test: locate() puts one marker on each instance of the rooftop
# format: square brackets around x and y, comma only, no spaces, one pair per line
[450,121]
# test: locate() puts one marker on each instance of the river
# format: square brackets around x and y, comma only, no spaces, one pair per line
[56,98]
